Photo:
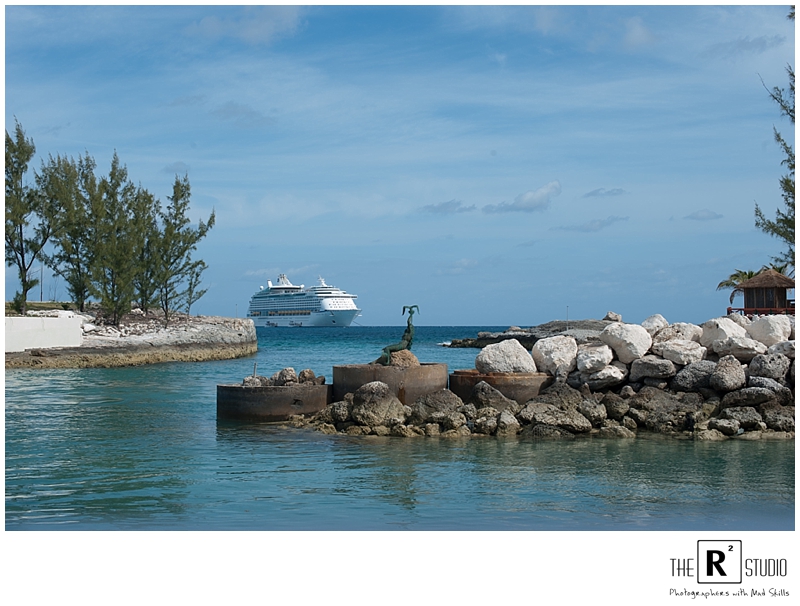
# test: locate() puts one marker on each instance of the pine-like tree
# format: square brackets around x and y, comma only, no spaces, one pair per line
[70,187]
[144,215]
[28,216]
[783,225]
[176,243]
[113,263]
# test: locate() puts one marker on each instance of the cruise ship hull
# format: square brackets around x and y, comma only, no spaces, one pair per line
[314,319]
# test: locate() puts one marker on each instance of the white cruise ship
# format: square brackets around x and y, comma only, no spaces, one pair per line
[284,304]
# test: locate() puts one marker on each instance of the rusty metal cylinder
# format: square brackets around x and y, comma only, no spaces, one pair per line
[517,386]
[271,403]
[407,383]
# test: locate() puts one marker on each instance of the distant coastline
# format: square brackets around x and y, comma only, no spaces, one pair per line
[143,340]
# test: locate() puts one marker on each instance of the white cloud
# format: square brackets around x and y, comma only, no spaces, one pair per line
[636,33]
[745,45]
[529,201]
[447,208]
[704,215]
[592,226]
[256,25]
[604,193]
[180,168]
[241,115]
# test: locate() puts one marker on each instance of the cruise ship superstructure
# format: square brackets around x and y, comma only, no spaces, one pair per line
[285,304]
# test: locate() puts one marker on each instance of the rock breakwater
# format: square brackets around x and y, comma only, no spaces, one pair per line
[729,378]
[143,339]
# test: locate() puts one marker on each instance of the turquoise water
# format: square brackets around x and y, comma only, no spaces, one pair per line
[141,448]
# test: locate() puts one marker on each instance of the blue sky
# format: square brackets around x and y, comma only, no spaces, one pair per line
[492,165]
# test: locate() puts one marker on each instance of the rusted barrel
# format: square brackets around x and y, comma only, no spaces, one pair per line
[270,403]
[407,383]
[519,386]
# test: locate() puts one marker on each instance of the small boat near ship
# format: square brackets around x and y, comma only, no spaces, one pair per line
[287,304]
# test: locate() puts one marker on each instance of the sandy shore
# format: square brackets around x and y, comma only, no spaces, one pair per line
[144,340]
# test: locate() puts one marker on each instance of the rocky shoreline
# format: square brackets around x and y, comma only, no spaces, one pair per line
[730,378]
[142,339]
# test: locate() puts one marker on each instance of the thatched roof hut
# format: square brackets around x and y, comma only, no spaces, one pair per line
[766,293]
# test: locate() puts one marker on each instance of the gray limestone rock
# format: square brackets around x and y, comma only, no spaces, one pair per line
[439,401]
[484,395]
[595,412]
[729,427]
[694,376]
[772,366]
[710,435]
[374,404]
[782,393]
[780,418]
[615,432]
[728,375]
[615,406]
[749,396]
[653,367]
[746,416]
[486,425]
[542,431]
[287,376]
[507,424]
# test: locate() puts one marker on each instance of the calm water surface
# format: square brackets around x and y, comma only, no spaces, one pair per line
[141,448]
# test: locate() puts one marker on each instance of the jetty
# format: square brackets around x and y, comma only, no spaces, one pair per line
[33,341]
[730,378]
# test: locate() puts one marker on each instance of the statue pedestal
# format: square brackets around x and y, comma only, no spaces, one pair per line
[407,383]
[519,386]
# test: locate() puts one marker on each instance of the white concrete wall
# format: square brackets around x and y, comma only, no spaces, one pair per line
[40,333]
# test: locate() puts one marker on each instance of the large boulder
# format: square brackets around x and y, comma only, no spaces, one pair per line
[286,376]
[484,395]
[438,401]
[729,375]
[780,418]
[593,357]
[610,376]
[742,348]
[784,347]
[680,351]
[682,331]
[772,366]
[739,319]
[595,412]
[629,341]
[651,366]
[548,414]
[654,323]
[694,377]
[746,416]
[555,355]
[506,356]
[375,404]
[749,396]
[663,412]
[783,395]
[770,330]
[720,329]
[507,424]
